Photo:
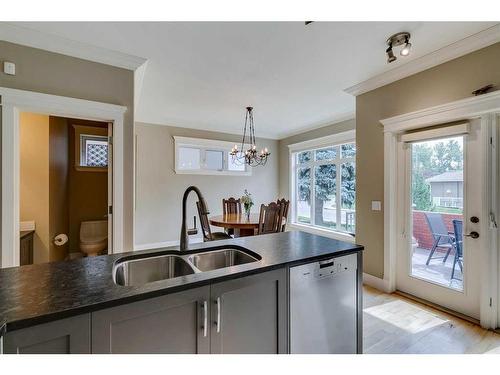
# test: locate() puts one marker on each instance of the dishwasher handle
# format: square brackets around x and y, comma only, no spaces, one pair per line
[326,263]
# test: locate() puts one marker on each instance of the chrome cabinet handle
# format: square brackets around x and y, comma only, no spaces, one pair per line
[218,322]
[205,318]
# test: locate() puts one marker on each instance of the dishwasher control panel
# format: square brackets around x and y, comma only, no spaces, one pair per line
[330,267]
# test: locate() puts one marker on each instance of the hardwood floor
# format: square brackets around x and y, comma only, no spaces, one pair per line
[394,324]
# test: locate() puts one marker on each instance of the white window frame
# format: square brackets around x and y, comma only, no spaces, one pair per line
[312,145]
[83,148]
[205,145]
[82,131]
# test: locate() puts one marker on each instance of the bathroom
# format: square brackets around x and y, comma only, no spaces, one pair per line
[63,188]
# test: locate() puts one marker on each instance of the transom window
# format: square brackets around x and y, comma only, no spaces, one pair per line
[206,156]
[324,187]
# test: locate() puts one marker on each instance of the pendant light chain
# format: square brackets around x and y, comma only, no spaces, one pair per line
[249,156]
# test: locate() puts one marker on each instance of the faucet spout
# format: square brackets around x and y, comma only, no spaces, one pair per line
[184,240]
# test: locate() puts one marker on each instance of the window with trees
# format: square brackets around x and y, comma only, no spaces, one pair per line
[437,175]
[325,187]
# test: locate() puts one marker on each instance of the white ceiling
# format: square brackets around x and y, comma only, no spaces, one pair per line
[203,75]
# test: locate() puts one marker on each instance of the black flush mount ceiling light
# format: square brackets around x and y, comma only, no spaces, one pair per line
[399,39]
[250,156]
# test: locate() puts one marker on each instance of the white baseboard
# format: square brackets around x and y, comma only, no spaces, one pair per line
[376,282]
[159,245]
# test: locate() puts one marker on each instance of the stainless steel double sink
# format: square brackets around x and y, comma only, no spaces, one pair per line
[143,269]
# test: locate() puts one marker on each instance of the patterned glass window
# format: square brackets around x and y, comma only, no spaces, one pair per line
[94,151]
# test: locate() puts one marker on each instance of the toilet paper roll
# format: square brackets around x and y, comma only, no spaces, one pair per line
[60,239]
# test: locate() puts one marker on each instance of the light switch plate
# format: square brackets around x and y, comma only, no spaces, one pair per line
[9,68]
[376,206]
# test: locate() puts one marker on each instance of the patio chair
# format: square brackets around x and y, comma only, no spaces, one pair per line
[459,254]
[442,237]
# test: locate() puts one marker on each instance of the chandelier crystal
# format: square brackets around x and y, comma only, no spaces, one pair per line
[250,156]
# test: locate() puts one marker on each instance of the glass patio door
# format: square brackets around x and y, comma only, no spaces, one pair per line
[440,250]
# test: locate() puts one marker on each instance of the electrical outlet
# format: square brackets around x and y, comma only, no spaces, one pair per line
[9,68]
[376,206]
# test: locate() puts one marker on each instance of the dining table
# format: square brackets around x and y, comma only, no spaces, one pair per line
[242,224]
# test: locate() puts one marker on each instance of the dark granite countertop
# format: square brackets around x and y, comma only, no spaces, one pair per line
[41,293]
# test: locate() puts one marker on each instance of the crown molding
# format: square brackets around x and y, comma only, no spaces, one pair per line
[333,121]
[462,47]
[458,110]
[54,43]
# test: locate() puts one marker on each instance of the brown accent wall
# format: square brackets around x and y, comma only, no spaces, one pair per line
[58,185]
[444,83]
[88,190]
[53,73]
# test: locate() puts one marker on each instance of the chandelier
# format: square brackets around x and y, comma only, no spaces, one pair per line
[250,156]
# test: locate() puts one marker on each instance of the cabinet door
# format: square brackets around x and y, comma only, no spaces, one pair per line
[249,314]
[71,335]
[169,324]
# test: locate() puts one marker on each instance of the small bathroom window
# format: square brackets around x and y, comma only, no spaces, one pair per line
[94,151]
[91,145]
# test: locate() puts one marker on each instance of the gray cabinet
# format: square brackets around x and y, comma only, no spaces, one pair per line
[249,314]
[246,315]
[71,335]
[175,323]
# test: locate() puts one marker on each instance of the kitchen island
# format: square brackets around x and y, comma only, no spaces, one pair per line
[76,306]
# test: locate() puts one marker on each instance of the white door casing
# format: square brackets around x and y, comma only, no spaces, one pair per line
[14,101]
[486,107]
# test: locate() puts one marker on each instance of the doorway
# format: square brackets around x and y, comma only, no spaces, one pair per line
[441,252]
[13,102]
[65,189]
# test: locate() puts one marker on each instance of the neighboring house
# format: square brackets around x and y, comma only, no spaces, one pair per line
[447,189]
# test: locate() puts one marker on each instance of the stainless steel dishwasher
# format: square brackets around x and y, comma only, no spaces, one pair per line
[323,315]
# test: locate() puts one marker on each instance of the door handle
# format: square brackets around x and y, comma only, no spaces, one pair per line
[472,235]
[205,318]
[218,322]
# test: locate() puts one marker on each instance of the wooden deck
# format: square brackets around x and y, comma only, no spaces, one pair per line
[437,271]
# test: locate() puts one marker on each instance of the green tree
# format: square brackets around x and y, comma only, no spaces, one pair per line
[325,187]
[325,181]
[422,155]
[348,185]
[421,193]
[447,157]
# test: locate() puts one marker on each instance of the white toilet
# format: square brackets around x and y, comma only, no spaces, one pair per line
[93,237]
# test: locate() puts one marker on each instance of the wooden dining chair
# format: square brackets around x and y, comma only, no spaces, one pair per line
[270,218]
[231,206]
[208,235]
[286,205]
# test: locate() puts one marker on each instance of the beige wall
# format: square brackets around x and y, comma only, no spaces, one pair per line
[451,81]
[52,73]
[159,190]
[34,180]
[284,160]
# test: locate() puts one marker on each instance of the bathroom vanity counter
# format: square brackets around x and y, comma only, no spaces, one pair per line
[42,293]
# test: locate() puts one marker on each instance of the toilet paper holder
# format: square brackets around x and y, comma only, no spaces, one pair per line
[60,239]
